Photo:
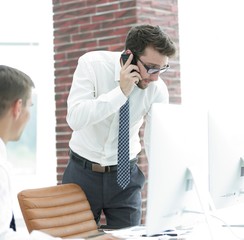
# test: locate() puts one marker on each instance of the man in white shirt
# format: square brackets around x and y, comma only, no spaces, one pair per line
[101,85]
[15,102]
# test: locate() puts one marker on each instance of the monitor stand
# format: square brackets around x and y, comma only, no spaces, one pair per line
[205,200]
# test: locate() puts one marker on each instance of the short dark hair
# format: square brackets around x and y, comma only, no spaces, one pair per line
[142,36]
[14,85]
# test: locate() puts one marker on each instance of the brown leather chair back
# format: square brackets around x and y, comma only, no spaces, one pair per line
[60,211]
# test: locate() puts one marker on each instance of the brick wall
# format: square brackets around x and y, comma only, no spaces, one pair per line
[85,25]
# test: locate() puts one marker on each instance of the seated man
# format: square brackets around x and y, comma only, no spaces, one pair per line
[15,102]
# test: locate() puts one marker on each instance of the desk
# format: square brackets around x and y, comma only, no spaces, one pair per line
[139,232]
[200,232]
[216,229]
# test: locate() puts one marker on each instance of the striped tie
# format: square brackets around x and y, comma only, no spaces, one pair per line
[123,171]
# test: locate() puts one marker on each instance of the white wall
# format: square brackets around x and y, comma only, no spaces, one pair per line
[212,72]
[211,51]
[26,38]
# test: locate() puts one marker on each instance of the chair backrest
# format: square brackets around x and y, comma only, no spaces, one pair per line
[60,211]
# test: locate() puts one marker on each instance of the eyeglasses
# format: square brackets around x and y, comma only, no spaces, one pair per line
[154,70]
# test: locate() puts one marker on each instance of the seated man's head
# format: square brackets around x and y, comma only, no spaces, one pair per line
[15,101]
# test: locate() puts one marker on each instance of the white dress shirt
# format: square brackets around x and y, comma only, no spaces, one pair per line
[93,107]
[6,205]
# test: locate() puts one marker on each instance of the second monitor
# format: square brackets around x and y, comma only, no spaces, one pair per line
[178,167]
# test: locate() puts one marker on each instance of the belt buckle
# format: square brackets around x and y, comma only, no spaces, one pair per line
[98,168]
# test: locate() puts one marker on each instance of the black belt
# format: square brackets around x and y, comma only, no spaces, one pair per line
[96,167]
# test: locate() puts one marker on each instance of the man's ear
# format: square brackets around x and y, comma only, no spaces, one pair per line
[17,108]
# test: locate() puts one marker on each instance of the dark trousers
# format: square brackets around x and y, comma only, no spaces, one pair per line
[122,208]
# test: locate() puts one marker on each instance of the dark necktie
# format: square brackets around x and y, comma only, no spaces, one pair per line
[12,224]
[123,171]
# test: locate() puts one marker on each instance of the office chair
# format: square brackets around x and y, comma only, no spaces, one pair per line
[60,211]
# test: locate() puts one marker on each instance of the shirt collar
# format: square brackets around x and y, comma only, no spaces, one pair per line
[3,151]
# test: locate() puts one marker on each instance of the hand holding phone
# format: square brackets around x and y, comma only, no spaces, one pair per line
[125,55]
[129,75]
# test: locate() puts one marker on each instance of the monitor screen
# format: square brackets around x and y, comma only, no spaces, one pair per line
[177,148]
[226,155]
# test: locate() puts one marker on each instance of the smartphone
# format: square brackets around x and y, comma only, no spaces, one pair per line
[125,56]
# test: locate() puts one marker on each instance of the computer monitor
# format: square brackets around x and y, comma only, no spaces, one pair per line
[178,167]
[226,155]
